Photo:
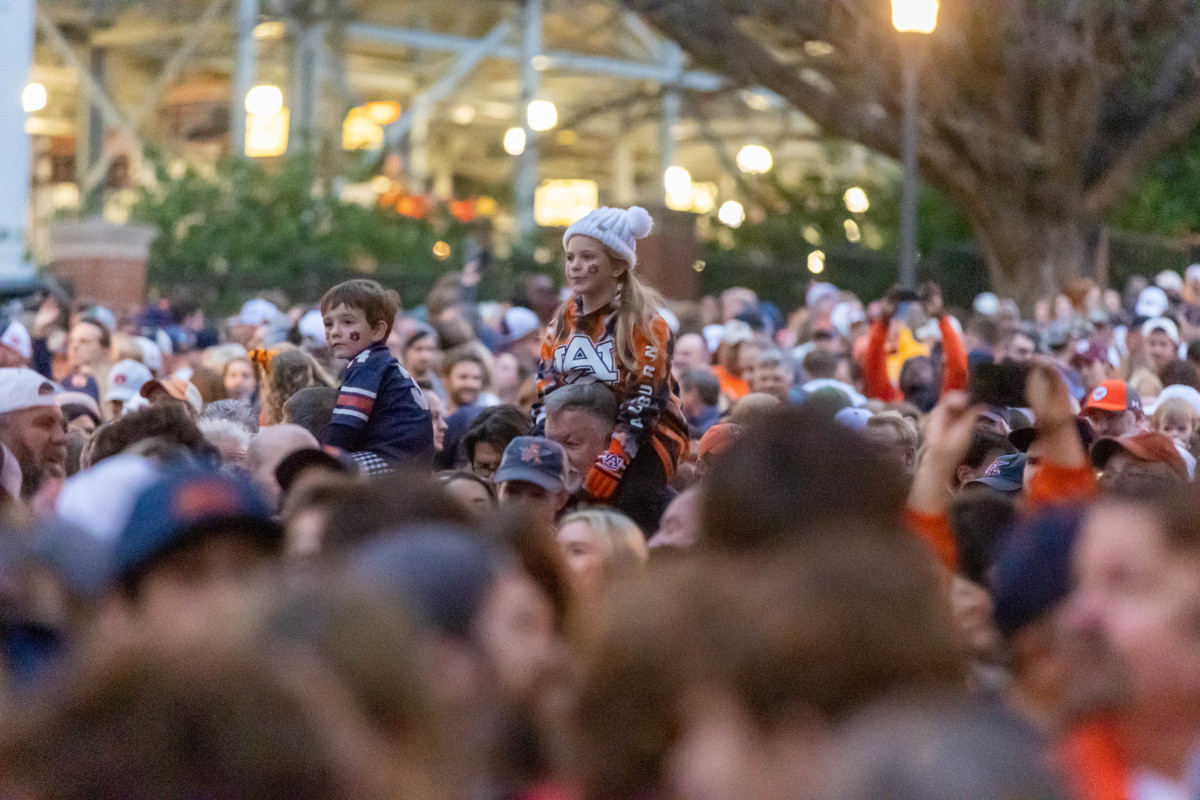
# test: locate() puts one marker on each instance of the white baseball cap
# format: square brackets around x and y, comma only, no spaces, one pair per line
[736,332]
[100,500]
[126,379]
[312,326]
[22,388]
[821,292]
[257,312]
[986,303]
[845,316]
[1163,324]
[519,322]
[152,355]
[1168,280]
[16,338]
[1152,302]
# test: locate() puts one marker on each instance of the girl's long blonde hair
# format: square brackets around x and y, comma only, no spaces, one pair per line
[637,304]
[625,553]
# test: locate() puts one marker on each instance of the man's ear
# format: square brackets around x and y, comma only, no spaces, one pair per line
[961,474]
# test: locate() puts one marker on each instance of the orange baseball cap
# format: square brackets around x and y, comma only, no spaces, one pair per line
[718,439]
[177,388]
[1113,395]
[1144,446]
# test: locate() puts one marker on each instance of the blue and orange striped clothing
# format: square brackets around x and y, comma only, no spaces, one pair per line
[380,409]
[582,349]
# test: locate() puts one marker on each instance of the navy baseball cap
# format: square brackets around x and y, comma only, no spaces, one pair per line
[534,459]
[81,382]
[1005,474]
[1032,572]
[445,573]
[183,507]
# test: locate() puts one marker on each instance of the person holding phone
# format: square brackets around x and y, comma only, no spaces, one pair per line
[918,381]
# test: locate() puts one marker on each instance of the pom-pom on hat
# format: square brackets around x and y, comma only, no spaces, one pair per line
[616,228]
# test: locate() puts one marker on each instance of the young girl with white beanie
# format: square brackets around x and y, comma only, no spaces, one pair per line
[609,331]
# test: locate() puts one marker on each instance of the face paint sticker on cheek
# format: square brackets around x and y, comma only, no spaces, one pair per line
[354,336]
[593,269]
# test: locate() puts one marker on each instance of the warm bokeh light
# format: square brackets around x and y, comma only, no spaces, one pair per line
[856,200]
[542,115]
[731,213]
[915,16]
[441,251]
[33,98]
[754,159]
[383,112]
[264,100]
[514,141]
[816,262]
[677,181]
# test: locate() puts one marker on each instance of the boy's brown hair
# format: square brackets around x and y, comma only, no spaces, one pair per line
[369,297]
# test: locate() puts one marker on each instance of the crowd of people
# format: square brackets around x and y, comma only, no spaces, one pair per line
[590,544]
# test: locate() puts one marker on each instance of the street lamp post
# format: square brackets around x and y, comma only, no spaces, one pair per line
[910,17]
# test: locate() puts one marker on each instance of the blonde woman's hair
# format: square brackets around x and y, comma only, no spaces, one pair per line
[1174,408]
[125,348]
[637,304]
[287,370]
[1145,383]
[619,537]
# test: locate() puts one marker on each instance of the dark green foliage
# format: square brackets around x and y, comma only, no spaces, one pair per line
[253,225]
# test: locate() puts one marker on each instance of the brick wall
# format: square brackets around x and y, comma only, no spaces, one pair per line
[102,260]
[667,257]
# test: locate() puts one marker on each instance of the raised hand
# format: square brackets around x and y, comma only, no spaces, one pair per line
[931,300]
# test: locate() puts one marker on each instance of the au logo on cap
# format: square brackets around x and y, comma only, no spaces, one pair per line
[531,455]
[1100,393]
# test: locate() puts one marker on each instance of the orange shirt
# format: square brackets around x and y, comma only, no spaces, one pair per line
[1051,484]
[731,387]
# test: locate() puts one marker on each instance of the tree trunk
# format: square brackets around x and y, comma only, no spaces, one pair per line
[1031,255]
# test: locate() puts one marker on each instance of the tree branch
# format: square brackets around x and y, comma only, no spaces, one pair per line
[1169,129]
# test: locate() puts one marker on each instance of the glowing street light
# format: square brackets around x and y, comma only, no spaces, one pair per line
[514,141]
[33,98]
[264,100]
[542,115]
[677,181]
[754,159]
[914,16]
[731,213]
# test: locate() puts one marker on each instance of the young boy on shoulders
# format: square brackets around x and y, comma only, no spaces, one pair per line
[381,417]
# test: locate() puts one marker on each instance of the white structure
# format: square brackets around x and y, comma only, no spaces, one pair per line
[16,58]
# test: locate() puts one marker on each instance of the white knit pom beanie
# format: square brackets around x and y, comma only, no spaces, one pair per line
[616,228]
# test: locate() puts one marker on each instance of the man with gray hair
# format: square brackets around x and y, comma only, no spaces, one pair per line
[581,418]
[773,375]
